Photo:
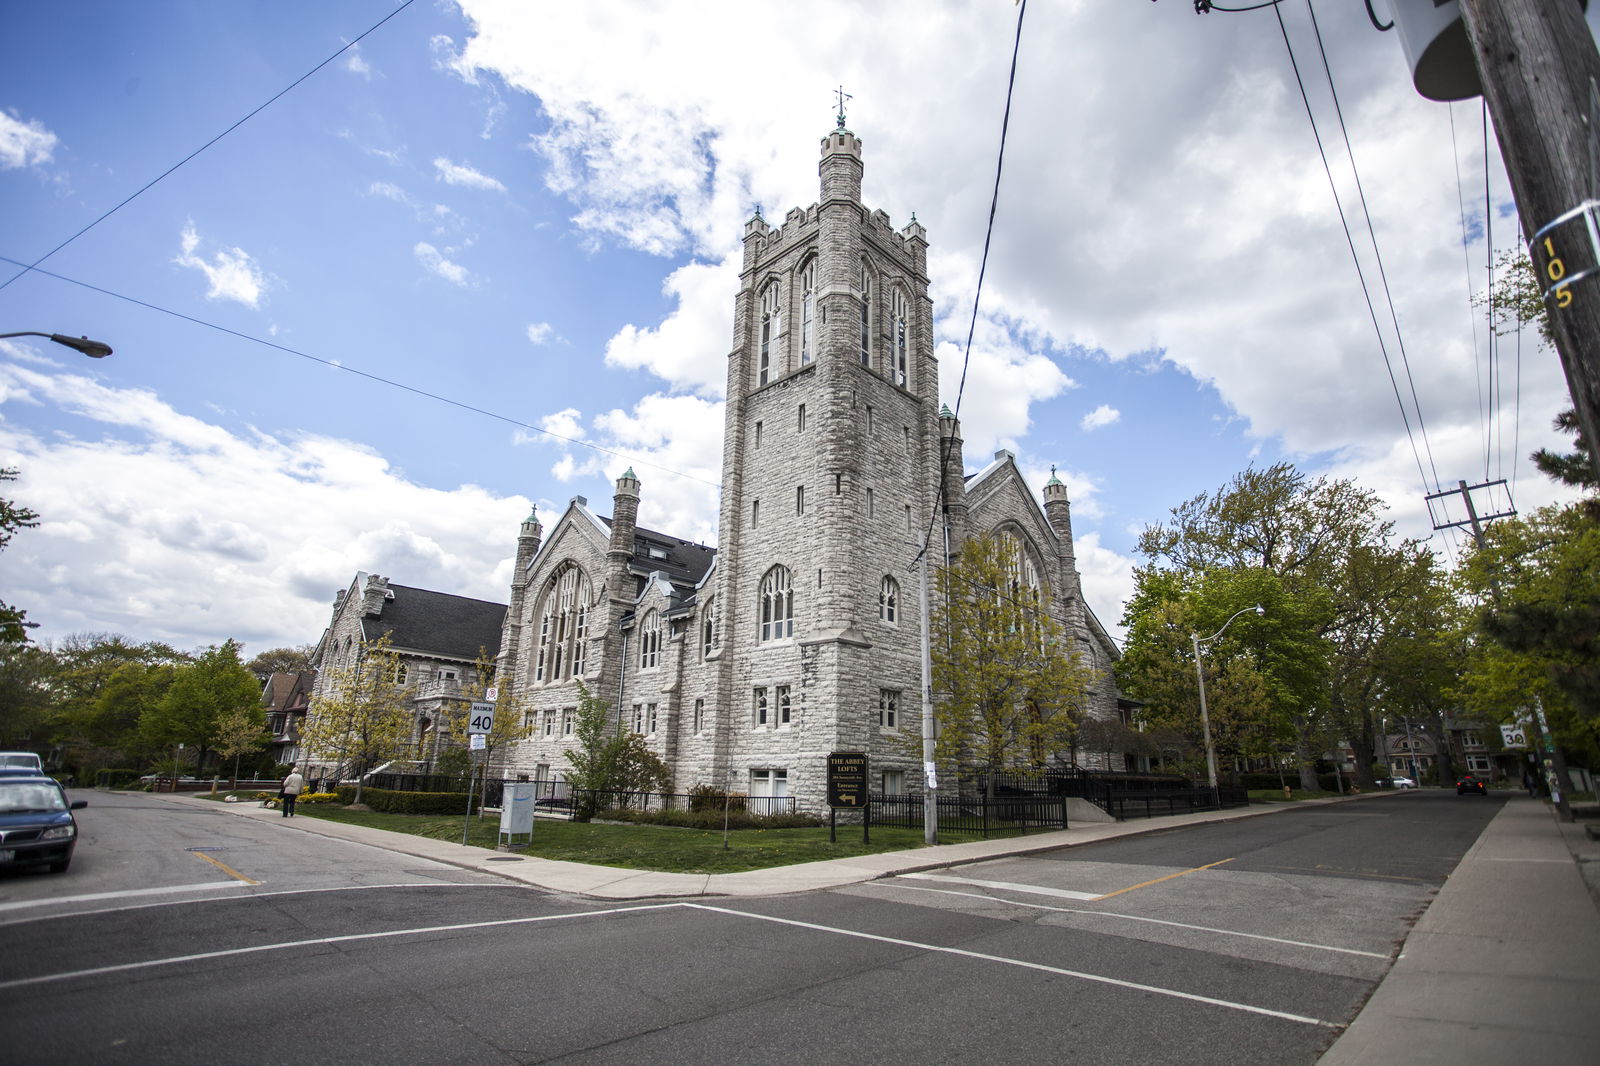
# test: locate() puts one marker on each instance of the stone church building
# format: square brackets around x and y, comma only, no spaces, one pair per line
[745,665]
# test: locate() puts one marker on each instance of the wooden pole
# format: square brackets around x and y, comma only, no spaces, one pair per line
[1539,69]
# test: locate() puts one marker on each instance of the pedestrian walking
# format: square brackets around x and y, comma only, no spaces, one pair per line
[293,785]
[1529,783]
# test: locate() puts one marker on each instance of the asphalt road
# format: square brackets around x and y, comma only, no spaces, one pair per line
[1236,943]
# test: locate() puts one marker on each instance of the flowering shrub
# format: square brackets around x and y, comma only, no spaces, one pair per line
[319,797]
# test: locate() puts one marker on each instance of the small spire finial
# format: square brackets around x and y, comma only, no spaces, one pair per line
[758,213]
[842,97]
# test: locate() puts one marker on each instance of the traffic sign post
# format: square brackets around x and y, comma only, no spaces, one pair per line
[480,722]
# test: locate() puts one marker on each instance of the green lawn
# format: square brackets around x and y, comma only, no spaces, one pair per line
[648,847]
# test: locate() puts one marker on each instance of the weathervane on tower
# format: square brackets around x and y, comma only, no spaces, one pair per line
[843,96]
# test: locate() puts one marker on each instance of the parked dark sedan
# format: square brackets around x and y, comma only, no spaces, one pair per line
[1470,783]
[36,823]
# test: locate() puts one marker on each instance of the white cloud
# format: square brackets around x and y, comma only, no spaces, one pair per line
[24,144]
[436,263]
[357,64]
[689,349]
[1107,581]
[1103,415]
[463,175]
[166,527]
[232,273]
[542,333]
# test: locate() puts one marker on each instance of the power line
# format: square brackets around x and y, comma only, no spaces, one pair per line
[1466,260]
[26,267]
[1350,241]
[1383,275]
[380,379]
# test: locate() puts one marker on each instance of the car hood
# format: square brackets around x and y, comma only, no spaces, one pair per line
[16,820]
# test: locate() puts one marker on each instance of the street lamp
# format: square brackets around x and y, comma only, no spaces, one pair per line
[1200,676]
[93,349]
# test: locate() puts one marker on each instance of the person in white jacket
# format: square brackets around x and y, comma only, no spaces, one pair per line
[293,785]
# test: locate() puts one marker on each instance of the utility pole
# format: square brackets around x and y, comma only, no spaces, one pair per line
[1540,70]
[1554,763]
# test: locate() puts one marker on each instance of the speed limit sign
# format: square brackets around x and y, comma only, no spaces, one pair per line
[481,720]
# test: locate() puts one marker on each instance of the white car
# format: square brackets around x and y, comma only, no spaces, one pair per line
[1402,782]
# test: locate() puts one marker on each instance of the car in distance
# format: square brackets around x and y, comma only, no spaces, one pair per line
[1402,782]
[14,761]
[36,823]
[1471,783]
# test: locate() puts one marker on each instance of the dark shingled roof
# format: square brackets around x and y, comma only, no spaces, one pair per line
[684,562]
[437,623]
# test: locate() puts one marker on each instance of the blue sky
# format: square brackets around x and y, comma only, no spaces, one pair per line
[534,210]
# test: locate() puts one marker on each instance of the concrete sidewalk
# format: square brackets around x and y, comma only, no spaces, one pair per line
[611,882]
[1504,966]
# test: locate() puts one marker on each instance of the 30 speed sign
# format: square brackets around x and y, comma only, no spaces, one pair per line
[481,719]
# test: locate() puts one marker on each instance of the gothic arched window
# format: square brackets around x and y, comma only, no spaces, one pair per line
[771,321]
[563,626]
[777,605]
[650,641]
[808,311]
[708,629]
[898,314]
[889,600]
[866,316]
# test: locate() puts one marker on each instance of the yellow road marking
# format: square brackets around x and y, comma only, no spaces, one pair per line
[1158,880]
[225,868]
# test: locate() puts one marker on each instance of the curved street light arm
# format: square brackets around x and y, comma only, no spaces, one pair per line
[93,349]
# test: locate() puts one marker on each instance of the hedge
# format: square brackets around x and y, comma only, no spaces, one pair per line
[391,801]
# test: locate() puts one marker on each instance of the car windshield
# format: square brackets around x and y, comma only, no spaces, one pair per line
[29,761]
[23,797]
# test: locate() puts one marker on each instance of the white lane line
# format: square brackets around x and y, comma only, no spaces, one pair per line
[1137,918]
[316,942]
[252,895]
[1096,978]
[1008,886]
[125,893]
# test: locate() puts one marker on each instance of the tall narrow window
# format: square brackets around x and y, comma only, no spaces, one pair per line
[808,301]
[785,713]
[889,600]
[800,420]
[908,518]
[888,709]
[566,720]
[898,314]
[708,630]
[650,642]
[870,508]
[777,605]
[758,434]
[869,418]
[699,715]
[755,513]
[563,626]
[650,717]
[638,718]
[866,316]
[771,320]
[799,499]
[760,712]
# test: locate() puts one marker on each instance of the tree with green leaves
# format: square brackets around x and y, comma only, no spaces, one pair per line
[13,622]
[239,732]
[1008,691]
[607,759]
[363,715]
[201,693]
[511,722]
[1312,536]
[281,661]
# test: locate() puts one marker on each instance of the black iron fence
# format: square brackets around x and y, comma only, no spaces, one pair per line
[1009,813]
[1121,794]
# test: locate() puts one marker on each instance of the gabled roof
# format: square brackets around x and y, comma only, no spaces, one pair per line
[437,623]
[682,561]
